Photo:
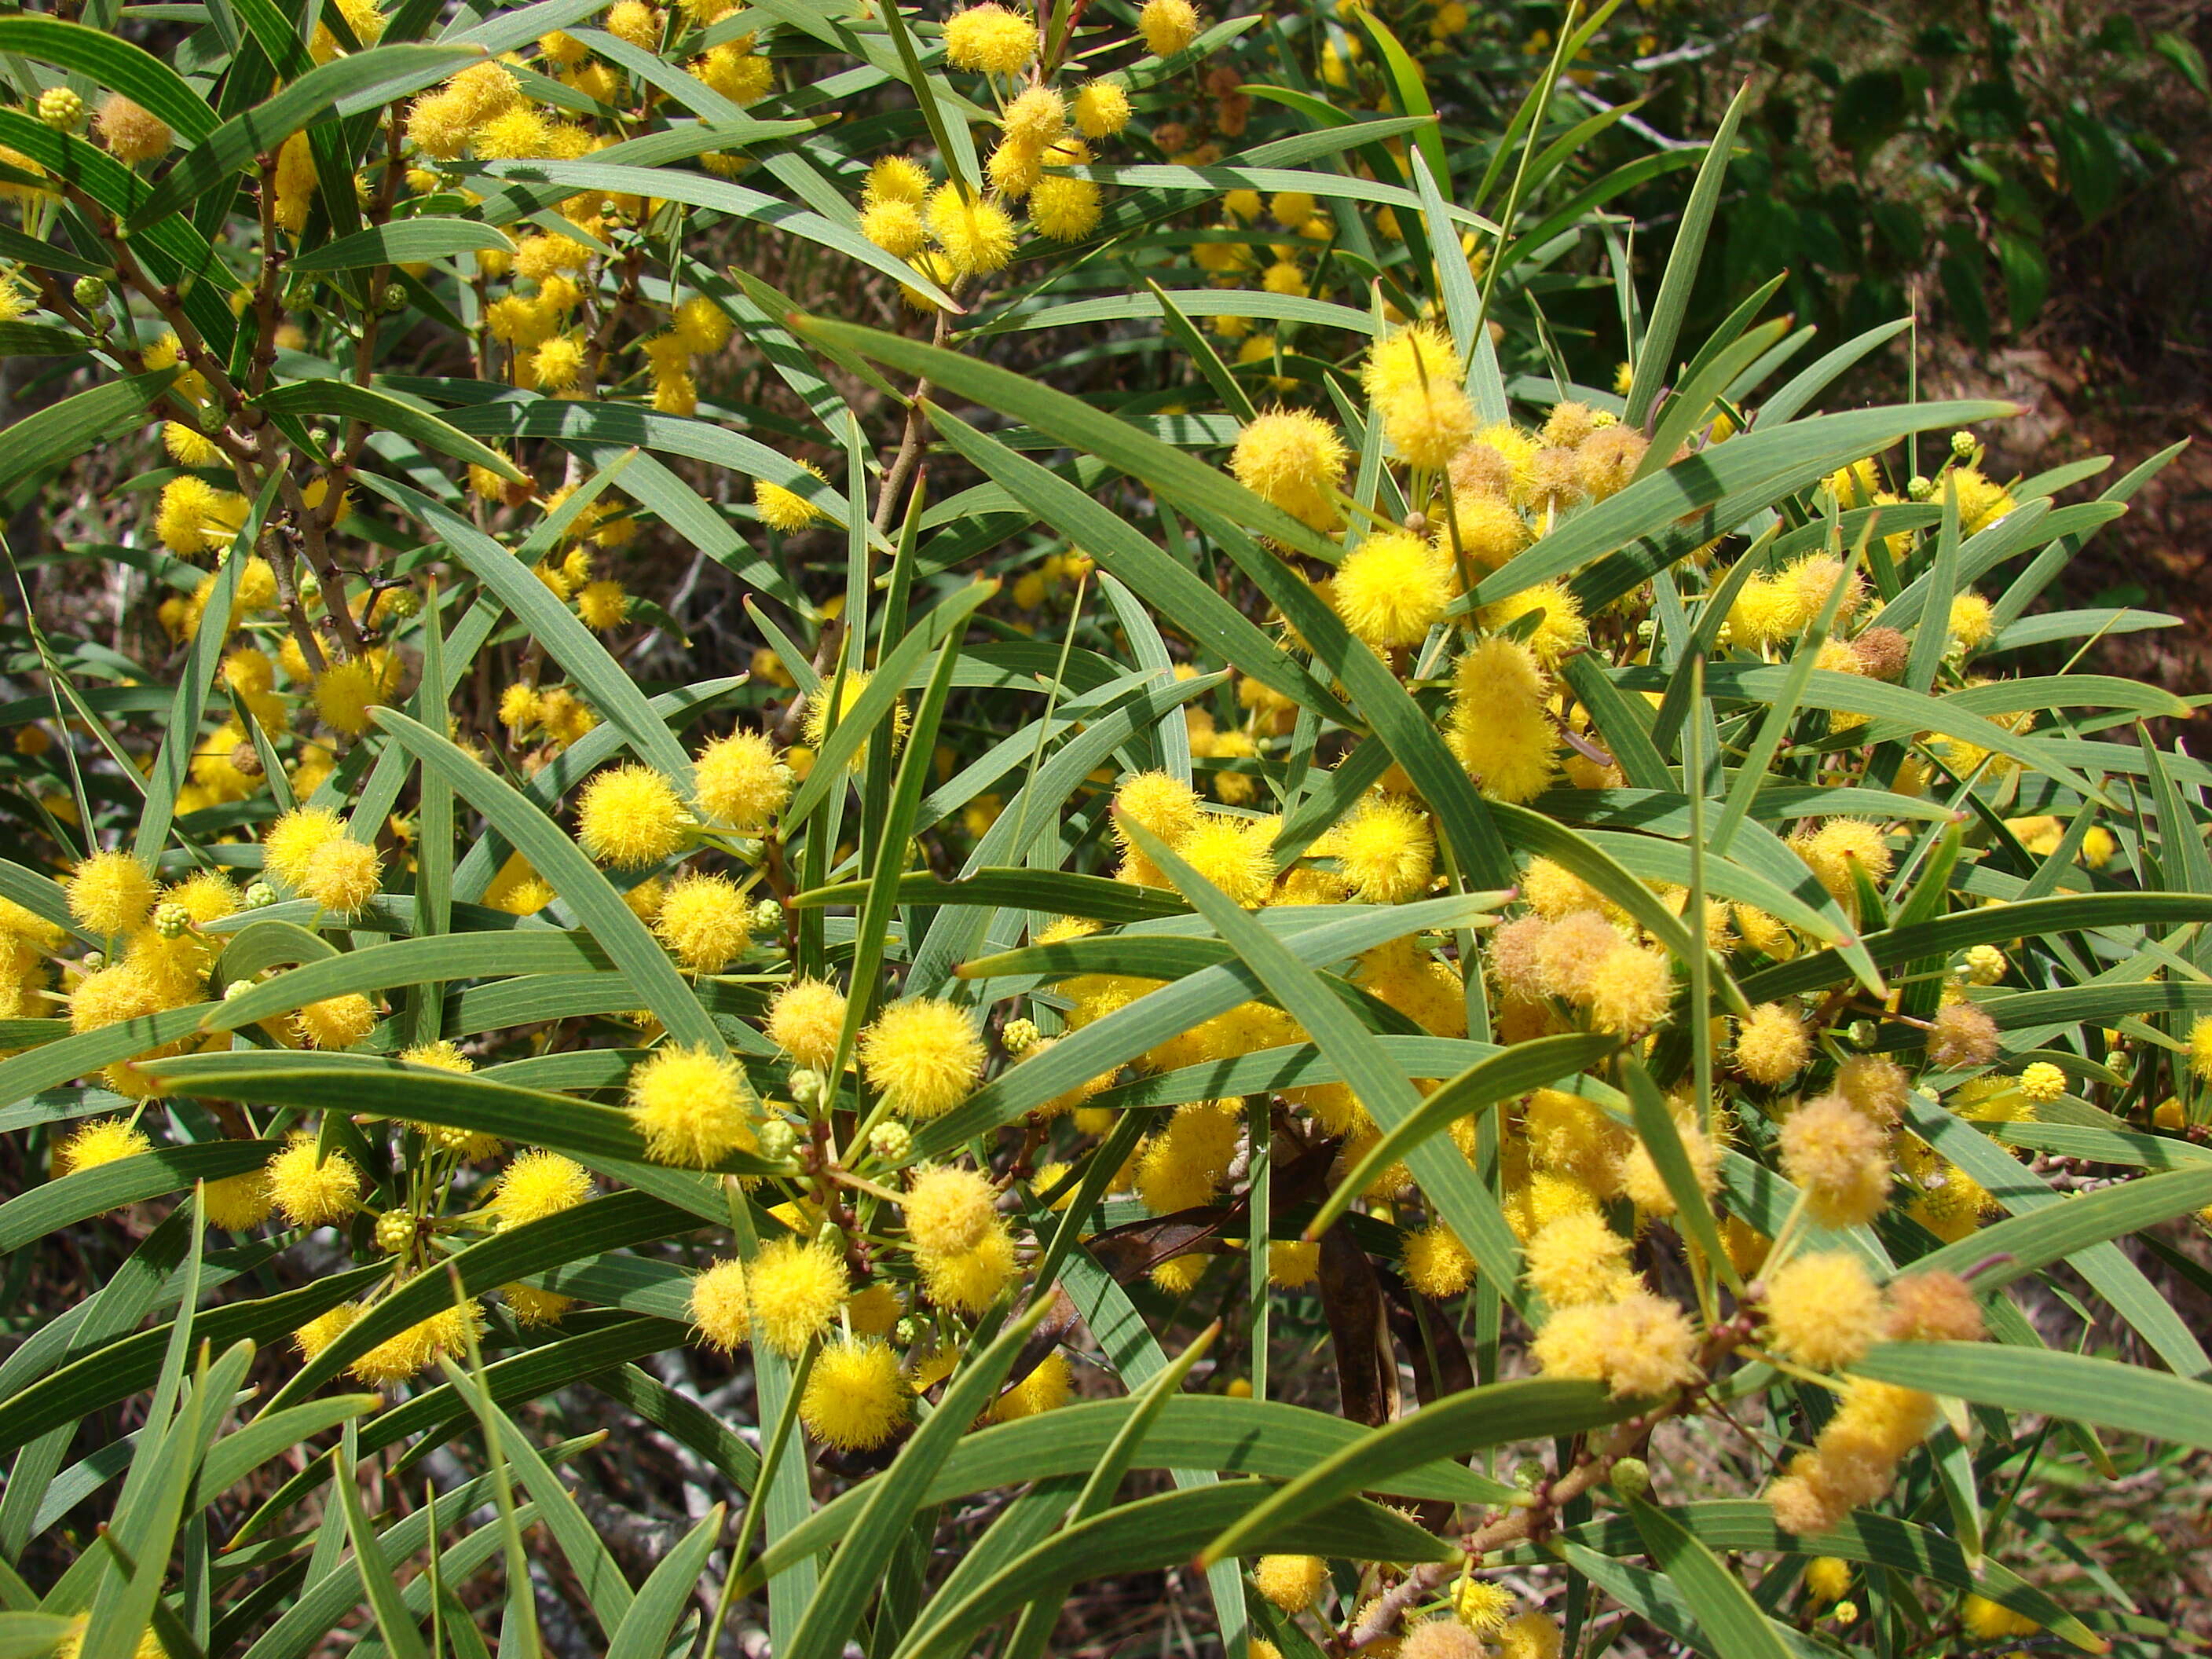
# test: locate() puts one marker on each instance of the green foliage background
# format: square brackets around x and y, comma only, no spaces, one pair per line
[179,1477]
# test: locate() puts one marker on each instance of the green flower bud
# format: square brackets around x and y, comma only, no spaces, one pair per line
[90,291]
[806,1086]
[1963,445]
[395,1231]
[892,1142]
[172,920]
[260,896]
[906,1331]
[767,917]
[1019,1036]
[777,1138]
[61,109]
[1921,488]
[1631,1477]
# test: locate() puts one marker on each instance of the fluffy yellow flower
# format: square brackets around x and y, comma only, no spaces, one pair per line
[1393,588]
[1836,848]
[103,1141]
[1102,109]
[1163,805]
[1560,630]
[692,1107]
[1822,1311]
[948,1209]
[194,517]
[419,1346]
[856,1397]
[312,1194]
[1771,1045]
[922,1055]
[630,816]
[326,1328]
[787,510]
[805,1020]
[1840,1156]
[1065,210]
[1295,460]
[969,1282]
[1639,1346]
[1384,850]
[110,893]
[1437,1264]
[538,1183]
[1577,1258]
[345,692]
[131,132]
[896,227]
[237,1203]
[702,920]
[342,875]
[1046,1387]
[796,1289]
[334,1023]
[990,39]
[1168,26]
[1480,1606]
[719,1306]
[977,236]
[896,178]
[742,780]
[1292,1582]
[289,845]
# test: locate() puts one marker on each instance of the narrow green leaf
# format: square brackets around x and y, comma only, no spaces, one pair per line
[1734,1623]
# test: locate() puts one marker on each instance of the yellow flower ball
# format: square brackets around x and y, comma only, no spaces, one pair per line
[969,1282]
[948,1209]
[110,893]
[1822,1311]
[1168,26]
[1294,460]
[538,1183]
[743,782]
[419,1346]
[1640,1346]
[1577,1258]
[309,1194]
[990,39]
[1046,1387]
[702,921]
[787,510]
[1102,109]
[692,1107]
[342,875]
[103,1141]
[1292,1582]
[922,1055]
[804,1019]
[239,1202]
[630,816]
[1771,1045]
[1393,588]
[719,1306]
[856,1397]
[796,1289]
[1437,1264]
[976,234]
[334,1023]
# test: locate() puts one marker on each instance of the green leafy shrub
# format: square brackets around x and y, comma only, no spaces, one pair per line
[1281,939]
